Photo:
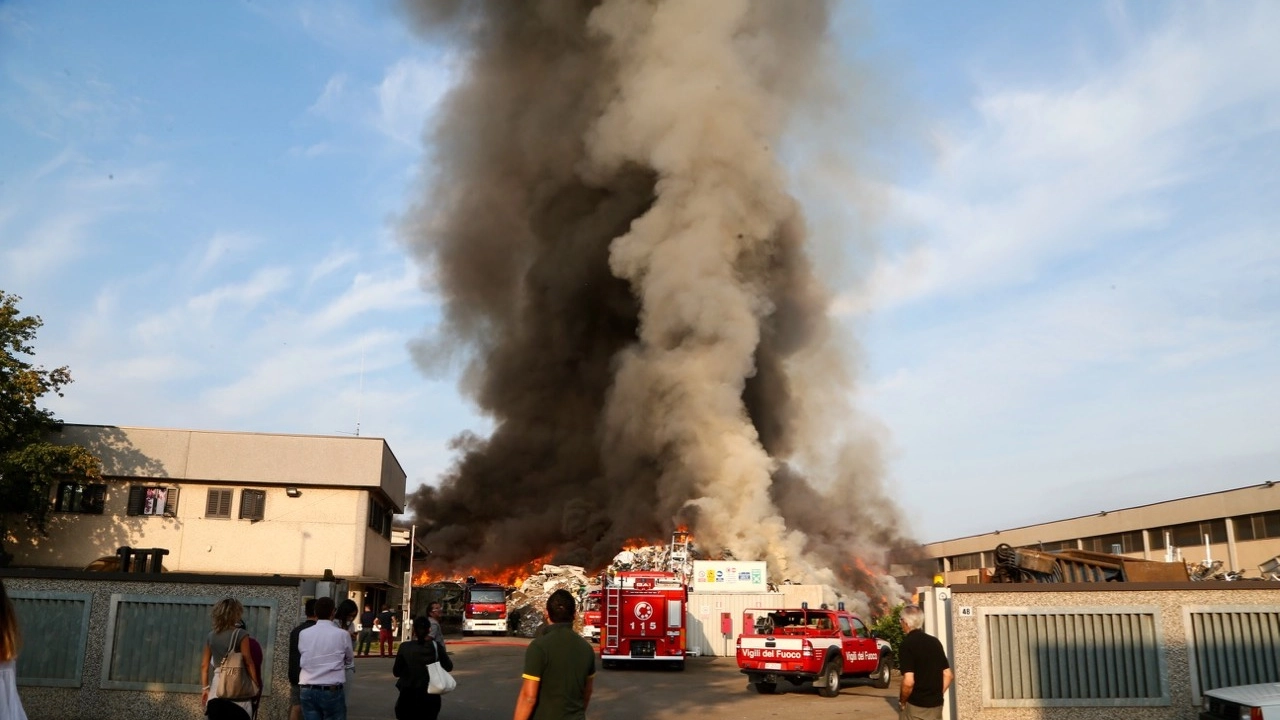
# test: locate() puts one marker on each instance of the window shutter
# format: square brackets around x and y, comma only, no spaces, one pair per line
[171,503]
[218,504]
[137,497]
[252,504]
[95,499]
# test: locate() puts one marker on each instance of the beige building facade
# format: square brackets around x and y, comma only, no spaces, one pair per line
[1239,527]
[228,502]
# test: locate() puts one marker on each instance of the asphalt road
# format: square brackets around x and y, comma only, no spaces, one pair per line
[488,674]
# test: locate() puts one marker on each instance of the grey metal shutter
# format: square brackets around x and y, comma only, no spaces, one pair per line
[54,627]
[1064,657]
[1232,645]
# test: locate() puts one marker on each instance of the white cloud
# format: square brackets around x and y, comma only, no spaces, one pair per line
[1044,173]
[407,95]
[370,293]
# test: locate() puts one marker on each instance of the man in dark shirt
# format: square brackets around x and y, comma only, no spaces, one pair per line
[559,668]
[386,624]
[366,631]
[926,674]
[295,660]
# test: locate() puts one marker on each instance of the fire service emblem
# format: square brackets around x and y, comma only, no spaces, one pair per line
[643,610]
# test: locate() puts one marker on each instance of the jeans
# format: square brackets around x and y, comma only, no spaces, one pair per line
[320,704]
[366,640]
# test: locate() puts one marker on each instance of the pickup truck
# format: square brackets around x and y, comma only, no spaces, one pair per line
[820,646]
[1247,702]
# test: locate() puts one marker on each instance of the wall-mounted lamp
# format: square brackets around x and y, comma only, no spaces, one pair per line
[292,492]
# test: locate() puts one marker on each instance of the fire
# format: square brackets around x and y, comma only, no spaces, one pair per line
[512,575]
[864,577]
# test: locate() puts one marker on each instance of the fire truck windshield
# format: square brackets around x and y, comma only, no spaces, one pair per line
[487,596]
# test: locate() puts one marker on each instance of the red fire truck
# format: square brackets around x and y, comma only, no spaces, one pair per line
[643,618]
[591,616]
[820,646]
[484,608]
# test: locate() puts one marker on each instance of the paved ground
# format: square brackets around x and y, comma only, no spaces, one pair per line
[488,674]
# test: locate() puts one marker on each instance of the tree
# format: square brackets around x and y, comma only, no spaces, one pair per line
[31,464]
[889,627]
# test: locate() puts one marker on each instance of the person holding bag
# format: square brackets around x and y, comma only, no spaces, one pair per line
[418,700]
[227,652]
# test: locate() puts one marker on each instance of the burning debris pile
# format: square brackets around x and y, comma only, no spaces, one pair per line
[525,606]
[626,283]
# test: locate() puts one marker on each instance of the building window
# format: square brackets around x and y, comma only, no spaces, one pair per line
[147,500]
[1261,526]
[1190,534]
[218,504]
[77,498]
[972,561]
[1054,546]
[1129,542]
[379,518]
[253,503]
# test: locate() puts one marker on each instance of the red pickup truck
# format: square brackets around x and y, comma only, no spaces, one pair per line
[819,646]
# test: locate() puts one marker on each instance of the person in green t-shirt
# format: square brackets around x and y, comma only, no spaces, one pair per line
[559,668]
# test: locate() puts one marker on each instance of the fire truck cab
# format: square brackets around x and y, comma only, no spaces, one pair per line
[484,608]
[643,616]
[591,616]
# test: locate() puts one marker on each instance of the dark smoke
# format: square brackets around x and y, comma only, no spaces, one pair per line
[624,275]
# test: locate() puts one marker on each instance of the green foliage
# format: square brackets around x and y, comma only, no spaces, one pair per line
[889,627]
[30,464]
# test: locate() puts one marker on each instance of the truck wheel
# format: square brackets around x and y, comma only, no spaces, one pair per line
[765,688]
[880,678]
[831,674]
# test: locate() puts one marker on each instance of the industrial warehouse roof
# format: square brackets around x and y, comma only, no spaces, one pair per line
[1246,500]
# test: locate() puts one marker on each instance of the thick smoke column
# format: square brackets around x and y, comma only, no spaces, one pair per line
[624,273]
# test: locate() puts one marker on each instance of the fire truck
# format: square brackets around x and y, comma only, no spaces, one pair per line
[644,619]
[591,616]
[643,613]
[821,646]
[484,608]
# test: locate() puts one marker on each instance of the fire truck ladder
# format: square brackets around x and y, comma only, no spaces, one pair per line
[612,616]
[679,557]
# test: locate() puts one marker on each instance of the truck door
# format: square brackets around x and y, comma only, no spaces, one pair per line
[861,648]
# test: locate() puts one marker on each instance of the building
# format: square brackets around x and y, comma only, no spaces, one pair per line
[234,503]
[1240,528]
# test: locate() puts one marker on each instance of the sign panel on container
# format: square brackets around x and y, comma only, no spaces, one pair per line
[729,576]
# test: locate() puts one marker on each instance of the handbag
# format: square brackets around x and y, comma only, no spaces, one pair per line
[234,682]
[441,681]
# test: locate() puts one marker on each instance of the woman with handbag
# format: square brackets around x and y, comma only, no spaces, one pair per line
[412,667]
[226,658]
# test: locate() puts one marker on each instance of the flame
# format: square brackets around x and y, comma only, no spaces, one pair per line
[511,576]
[865,578]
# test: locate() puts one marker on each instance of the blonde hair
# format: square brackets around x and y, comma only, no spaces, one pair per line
[10,638]
[226,614]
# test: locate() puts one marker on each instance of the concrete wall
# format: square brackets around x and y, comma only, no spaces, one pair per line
[90,701]
[1168,602]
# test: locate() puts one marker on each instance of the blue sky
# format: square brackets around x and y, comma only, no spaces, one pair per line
[1053,237]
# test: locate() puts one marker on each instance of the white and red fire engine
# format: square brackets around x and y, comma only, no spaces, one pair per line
[820,646]
[643,616]
[643,613]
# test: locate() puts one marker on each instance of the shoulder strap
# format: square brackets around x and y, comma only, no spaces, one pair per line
[231,647]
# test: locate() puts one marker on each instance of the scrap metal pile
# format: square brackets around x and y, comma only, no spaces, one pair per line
[526,604]
[1021,565]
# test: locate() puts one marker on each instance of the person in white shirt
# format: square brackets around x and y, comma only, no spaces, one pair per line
[325,652]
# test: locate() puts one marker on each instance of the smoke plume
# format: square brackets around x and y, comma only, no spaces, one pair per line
[624,276]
